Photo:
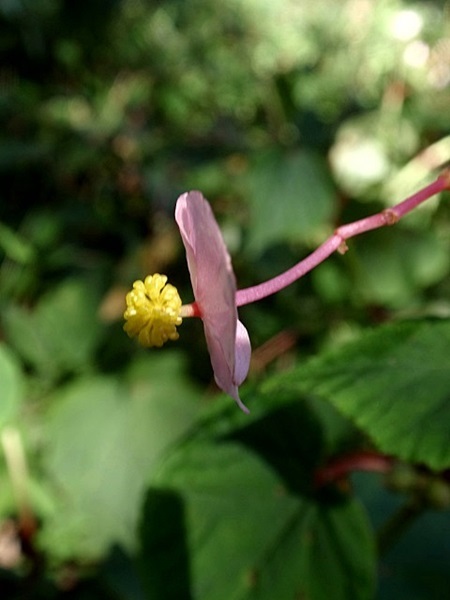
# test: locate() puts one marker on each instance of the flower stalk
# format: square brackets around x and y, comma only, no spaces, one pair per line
[337,242]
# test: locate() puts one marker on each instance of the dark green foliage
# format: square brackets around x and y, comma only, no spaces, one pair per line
[122,474]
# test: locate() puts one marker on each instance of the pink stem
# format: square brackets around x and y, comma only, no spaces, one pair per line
[389,216]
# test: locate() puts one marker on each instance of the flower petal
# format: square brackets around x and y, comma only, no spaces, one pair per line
[242,354]
[224,377]
[208,260]
[214,288]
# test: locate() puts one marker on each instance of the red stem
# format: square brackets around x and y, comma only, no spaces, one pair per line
[358,461]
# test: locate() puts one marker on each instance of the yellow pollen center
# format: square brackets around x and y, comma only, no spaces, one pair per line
[153,311]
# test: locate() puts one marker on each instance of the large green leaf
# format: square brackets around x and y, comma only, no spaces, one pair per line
[236,517]
[291,198]
[104,435]
[394,383]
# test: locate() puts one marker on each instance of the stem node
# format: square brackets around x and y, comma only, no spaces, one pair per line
[391,218]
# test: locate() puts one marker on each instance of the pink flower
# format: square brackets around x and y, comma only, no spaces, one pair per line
[154,309]
[214,287]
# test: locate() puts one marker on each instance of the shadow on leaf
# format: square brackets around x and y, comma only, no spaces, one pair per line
[290,440]
[164,557]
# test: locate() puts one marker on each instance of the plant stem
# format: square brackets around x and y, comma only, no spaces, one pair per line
[399,522]
[389,216]
[362,460]
[17,467]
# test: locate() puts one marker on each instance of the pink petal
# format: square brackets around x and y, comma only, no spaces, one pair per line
[243,354]
[223,375]
[214,288]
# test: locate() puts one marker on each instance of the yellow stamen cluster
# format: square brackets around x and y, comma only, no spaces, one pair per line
[153,311]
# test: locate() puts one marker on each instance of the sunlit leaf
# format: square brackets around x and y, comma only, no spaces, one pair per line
[105,435]
[394,383]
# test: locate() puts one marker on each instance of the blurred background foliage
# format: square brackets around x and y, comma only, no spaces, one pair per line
[292,117]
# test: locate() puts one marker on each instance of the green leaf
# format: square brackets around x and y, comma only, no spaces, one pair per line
[61,333]
[394,383]
[11,384]
[104,436]
[392,265]
[291,198]
[236,517]
[15,246]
